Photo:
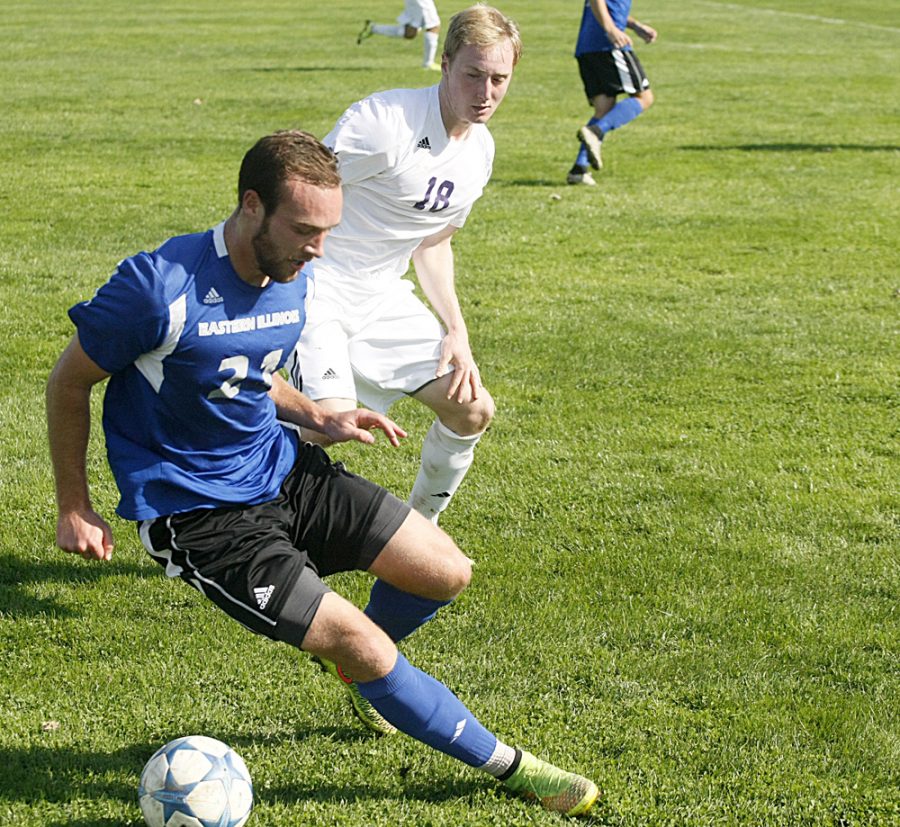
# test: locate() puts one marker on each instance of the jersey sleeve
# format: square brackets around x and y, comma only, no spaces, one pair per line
[364,140]
[127,316]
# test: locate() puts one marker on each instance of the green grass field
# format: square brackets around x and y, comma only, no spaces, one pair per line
[685,517]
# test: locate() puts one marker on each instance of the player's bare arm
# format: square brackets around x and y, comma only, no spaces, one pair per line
[433,260]
[644,32]
[616,36]
[79,529]
[339,426]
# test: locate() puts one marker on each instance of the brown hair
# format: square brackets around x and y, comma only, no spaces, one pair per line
[481,25]
[290,154]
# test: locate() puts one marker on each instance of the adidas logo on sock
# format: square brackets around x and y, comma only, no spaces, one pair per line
[329,374]
[443,494]
[424,144]
[213,297]
[262,595]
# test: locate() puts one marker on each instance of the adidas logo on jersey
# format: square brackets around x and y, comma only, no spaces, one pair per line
[213,297]
[262,595]
[424,143]
[329,374]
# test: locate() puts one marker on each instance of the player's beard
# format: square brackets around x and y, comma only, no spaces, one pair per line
[272,264]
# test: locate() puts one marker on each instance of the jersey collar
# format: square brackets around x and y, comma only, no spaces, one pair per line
[219,240]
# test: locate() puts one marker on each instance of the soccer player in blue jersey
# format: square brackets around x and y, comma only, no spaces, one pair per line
[609,68]
[191,338]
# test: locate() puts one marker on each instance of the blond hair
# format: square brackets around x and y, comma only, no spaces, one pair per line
[481,25]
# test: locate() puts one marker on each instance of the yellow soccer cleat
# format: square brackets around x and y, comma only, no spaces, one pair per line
[361,707]
[557,790]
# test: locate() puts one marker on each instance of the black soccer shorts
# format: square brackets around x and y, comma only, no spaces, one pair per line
[262,564]
[612,73]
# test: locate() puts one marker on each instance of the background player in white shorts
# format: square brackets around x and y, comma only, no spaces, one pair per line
[417,14]
[412,162]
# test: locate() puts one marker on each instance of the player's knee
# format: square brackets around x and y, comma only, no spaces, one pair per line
[482,413]
[457,576]
[451,570]
[364,651]
[476,416]
[646,99]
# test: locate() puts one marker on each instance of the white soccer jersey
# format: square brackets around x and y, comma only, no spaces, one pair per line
[403,180]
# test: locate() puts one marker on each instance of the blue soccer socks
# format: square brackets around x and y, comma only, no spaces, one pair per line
[399,613]
[595,130]
[428,711]
[622,113]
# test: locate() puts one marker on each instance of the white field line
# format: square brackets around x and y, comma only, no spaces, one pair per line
[834,21]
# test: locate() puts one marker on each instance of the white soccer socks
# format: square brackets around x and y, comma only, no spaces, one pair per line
[446,457]
[430,49]
[389,29]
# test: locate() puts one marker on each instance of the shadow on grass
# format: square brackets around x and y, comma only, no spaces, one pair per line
[91,822]
[433,792]
[791,147]
[550,183]
[17,575]
[58,775]
[303,69]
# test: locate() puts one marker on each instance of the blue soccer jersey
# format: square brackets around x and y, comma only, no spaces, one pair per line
[191,348]
[591,37]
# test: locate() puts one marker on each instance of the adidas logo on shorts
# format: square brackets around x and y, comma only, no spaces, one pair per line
[262,595]
[329,374]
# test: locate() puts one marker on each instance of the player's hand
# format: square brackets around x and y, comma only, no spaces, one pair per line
[618,38]
[358,424]
[465,383]
[85,533]
[645,33]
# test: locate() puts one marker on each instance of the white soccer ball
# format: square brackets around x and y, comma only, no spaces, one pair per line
[195,782]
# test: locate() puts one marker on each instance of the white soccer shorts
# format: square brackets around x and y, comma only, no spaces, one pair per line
[420,14]
[374,346]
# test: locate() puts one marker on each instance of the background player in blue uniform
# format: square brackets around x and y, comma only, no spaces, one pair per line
[609,68]
[191,338]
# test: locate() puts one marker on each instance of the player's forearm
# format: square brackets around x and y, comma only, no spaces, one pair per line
[446,305]
[434,269]
[68,431]
[293,406]
[601,12]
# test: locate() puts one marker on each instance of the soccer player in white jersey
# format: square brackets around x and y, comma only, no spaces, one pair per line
[189,339]
[412,162]
[417,14]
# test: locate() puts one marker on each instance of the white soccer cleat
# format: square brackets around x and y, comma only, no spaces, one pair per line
[592,137]
[584,178]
